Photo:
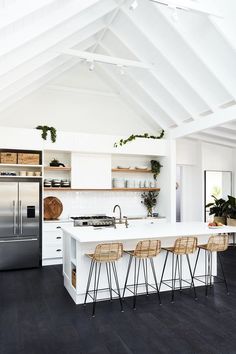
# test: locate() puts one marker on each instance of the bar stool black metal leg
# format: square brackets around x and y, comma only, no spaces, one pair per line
[211,284]
[191,274]
[195,266]
[180,272]
[223,273]
[89,280]
[127,275]
[96,284]
[136,282]
[108,270]
[174,270]
[117,285]
[155,279]
[144,263]
[163,270]
[206,272]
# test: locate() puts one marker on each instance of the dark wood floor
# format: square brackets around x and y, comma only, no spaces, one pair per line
[37,316]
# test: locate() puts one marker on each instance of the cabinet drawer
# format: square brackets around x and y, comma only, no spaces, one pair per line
[52,251]
[54,226]
[52,237]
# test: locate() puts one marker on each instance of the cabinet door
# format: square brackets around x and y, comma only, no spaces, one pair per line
[90,171]
[8,209]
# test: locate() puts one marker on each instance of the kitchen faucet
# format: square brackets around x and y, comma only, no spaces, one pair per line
[114,209]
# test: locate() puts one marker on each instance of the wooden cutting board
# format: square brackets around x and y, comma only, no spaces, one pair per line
[53,208]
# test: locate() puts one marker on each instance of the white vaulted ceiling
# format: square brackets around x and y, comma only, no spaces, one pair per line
[188,88]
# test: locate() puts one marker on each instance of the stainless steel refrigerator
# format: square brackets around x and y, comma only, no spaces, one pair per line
[20,224]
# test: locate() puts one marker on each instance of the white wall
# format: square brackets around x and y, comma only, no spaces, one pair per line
[78,101]
[195,157]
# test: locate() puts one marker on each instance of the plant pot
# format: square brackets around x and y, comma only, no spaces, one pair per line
[231,222]
[221,219]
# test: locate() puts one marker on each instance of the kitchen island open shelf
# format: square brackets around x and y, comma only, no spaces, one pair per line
[105,190]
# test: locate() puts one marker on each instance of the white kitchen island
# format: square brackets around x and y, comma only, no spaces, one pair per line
[77,241]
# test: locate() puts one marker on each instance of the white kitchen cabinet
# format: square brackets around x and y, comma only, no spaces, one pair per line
[90,171]
[52,245]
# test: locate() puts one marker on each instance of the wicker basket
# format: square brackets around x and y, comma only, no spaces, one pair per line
[8,157]
[28,159]
[73,278]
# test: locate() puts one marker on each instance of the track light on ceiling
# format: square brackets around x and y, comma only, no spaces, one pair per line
[121,69]
[174,15]
[91,65]
[133,5]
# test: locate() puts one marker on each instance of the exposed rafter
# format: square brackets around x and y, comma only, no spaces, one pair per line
[145,28]
[222,116]
[106,59]
[134,76]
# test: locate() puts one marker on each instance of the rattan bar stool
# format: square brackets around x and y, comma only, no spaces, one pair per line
[183,247]
[107,254]
[144,251]
[218,244]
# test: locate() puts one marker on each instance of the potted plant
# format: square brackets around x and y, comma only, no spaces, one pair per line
[150,201]
[219,209]
[155,168]
[231,211]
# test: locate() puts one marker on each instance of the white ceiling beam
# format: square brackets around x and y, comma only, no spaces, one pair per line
[221,133]
[45,58]
[188,6]
[51,39]
[221,116]
[82,91]
[20,11]
[229,37]
[105,59]
[183,34]
[230,126]
[47,23]
[171,89]
[210,139]
[42,77]
[148,33]
[135,77]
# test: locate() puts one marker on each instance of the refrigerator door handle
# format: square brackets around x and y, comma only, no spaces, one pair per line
[14,217]
[27,239]
[21,218]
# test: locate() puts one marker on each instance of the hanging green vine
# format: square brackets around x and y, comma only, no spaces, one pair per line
[156,168]
[45,129]
[133,137]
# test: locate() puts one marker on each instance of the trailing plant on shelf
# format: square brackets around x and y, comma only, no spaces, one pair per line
[45,129]
[155,167]
[150,201]
[133,137]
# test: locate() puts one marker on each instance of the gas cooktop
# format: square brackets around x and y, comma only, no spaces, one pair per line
[94,220]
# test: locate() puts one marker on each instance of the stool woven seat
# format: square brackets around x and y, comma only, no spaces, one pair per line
[107,252]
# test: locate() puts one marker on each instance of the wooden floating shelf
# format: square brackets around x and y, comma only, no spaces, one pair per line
[104,190]
[50,168]
[135,170]
[20,176]
[19,165]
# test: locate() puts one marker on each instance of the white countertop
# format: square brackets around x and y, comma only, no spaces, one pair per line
[144,231]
